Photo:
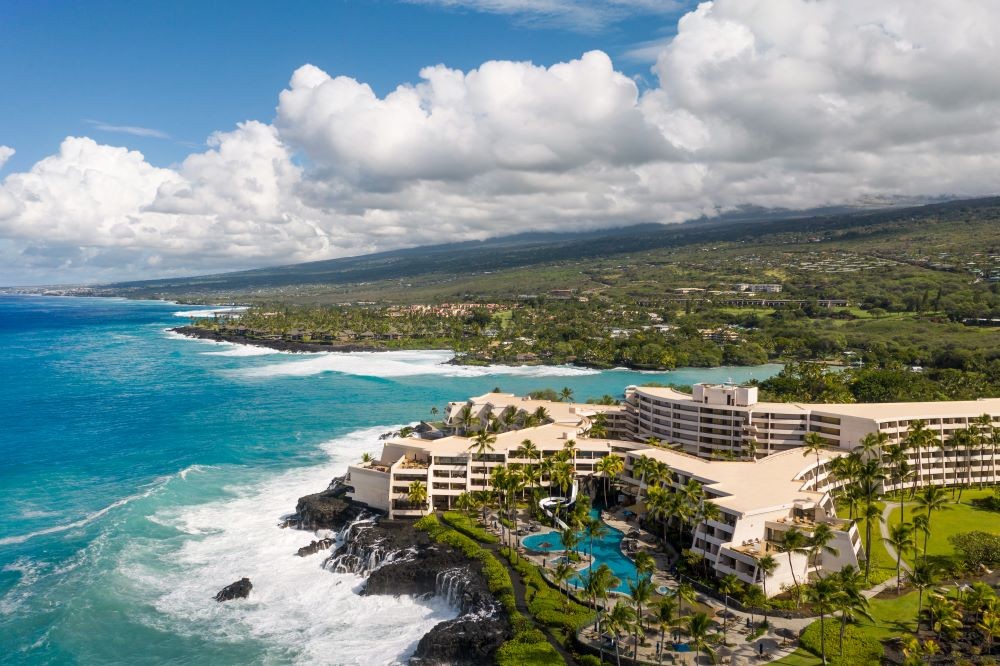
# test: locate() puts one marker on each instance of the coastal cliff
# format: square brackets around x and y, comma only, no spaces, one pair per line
[398,559]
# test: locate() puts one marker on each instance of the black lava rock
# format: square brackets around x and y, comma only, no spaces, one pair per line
[238,590]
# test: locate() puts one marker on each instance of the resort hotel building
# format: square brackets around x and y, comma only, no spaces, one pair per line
[745,454]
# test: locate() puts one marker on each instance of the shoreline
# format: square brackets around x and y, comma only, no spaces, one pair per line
[293,346]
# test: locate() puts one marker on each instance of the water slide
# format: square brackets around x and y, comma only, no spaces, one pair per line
[547,504]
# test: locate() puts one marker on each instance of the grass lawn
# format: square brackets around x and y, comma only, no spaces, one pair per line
[956,519]
[883,567]
[893,617]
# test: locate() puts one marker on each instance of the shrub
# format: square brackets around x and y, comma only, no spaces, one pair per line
[514,653]
[495,573]
[977,548]
[588,660]
[466,526]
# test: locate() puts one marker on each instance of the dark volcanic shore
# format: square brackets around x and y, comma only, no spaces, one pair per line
[277,345]
[396,559]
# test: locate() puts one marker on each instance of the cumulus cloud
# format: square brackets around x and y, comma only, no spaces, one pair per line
[6,152]
[790,103]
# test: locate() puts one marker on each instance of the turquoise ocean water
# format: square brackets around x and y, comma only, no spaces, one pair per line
[140,472]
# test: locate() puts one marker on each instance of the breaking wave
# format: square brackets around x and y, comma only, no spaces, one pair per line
[401,364]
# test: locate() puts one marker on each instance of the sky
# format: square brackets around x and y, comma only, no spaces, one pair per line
[151,139]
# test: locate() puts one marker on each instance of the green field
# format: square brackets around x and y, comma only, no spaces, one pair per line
[958,518]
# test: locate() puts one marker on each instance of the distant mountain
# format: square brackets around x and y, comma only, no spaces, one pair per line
[524,250]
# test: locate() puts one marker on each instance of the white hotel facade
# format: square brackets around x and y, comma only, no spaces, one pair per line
[758,499]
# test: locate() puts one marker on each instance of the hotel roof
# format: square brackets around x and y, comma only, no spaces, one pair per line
[745,487]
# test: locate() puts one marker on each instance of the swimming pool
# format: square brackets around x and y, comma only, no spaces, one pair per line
[607,550]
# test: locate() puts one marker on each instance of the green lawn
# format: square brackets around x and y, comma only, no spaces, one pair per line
[883,567]
[956,519]
[893,617]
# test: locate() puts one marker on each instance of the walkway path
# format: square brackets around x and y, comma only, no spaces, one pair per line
[884,529]
[519,596]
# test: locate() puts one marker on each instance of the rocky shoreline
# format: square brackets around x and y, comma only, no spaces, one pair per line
[398,559]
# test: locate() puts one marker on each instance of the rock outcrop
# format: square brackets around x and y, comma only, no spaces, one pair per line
[398,559]
[314,547]
[238,590]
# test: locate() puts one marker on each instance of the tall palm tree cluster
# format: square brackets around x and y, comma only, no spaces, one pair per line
[683,508]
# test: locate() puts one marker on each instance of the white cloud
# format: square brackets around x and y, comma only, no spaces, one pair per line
[789,103]
[6,152]
[581,15]
[129,129]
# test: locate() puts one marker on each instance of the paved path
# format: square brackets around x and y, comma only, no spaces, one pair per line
[884,529]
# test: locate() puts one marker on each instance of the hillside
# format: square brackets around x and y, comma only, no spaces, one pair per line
[511,266]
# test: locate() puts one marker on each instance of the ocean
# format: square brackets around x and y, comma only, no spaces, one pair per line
[140,472]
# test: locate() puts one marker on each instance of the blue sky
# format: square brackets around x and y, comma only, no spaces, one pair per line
[188,68]
[146,139]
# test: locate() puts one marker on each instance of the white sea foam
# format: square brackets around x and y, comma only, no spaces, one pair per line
[303,612]
[86,520]
[209,313]
[400,364]
[243,350]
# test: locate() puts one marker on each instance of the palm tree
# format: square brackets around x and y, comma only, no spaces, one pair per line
[570,449]
[600,582]
[561,574]
[964,439]
[918,437]
[793,541]
[984,431]
[851,603]
[921,577]
[620,620]
[541,415]
[871,445]
[819,543]
[366,458]
[465,418]
[640,592]
[685,592]
[666,615]
[642,466]
[814,444]
[566,394]
[594,529]
[728,584]
[482,444]
[766,566]
[570,539]
[610,466]
[659,505]
[900,538]
[698,627]
[417,494]
[644,564]
[872,513]
[823,594]
[527,450]
[930,500]
[465,503]
[598,427]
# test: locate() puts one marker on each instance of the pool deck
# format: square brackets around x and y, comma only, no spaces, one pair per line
[737,651]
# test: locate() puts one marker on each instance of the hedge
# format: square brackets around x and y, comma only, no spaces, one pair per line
[514,653]
[497,577]
[466,526]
